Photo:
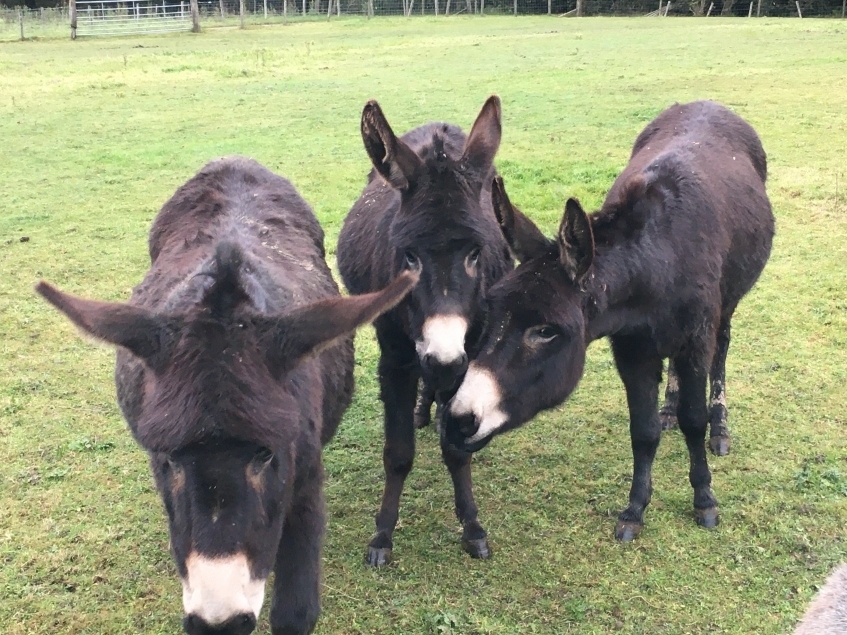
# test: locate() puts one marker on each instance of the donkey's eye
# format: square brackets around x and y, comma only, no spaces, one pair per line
[541,334]
[473,257]
[412,261]
[263,455]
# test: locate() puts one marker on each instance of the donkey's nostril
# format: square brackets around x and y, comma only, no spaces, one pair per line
[467,424]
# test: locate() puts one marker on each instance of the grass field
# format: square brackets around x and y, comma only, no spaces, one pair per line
[96,135]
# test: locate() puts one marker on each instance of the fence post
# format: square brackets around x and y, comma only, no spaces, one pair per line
[516,7]
[447,8]
[329,10]
[549,7]
[21,21]
[223,10]
[579,8]
[667,8]
[800,13]
[759,10]
[241,10]
[72,17]
[304,8]
[436,7]
[750,12]
[843,7]
[338,7]
[195,16]
[482,7]
[266,8]
[709,12]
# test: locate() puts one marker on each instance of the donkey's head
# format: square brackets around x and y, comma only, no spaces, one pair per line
[533,349]
[223,395]
[441,231]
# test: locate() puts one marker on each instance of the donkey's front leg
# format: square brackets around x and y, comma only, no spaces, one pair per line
[640,368]
[693,417]
[667,415]
[474,537]
[399,387]
[423,410]
[296,595]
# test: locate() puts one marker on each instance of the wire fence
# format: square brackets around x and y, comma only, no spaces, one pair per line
[111,17]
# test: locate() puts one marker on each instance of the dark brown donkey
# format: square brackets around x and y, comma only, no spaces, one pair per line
[426,208]
[683,235]
[234,366]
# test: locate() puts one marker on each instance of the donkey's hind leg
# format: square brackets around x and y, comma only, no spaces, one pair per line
[667,415]
[719,441]
[423,409]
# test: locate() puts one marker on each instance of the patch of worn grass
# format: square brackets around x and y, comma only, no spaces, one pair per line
[97,134]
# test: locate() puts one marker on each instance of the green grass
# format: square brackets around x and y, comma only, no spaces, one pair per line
[96,135]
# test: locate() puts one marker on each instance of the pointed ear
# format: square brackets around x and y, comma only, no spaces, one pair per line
[392,158]
[484,139]
[310,329]
[576,241]
[523,237]
[141,332]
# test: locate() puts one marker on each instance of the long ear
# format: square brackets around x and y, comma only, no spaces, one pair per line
[576,241]
[141,332]
[484,139]
[524,239]
[391,157]
[309,329]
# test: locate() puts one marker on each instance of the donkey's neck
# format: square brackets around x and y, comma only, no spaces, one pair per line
[615,292]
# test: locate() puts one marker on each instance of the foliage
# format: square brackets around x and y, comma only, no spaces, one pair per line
[97,134]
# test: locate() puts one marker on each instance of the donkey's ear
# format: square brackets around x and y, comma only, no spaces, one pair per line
[484,139]
[523,237]
[392,158]
[576,241]
[141,332]
[310,329]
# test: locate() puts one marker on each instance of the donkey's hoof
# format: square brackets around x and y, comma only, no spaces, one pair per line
[421,420]
[669,421]
[627,531]
[719,445]
[378,556]
[477,548]
[708,518]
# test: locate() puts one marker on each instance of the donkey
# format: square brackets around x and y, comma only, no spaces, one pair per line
[234,367]
[427,209]
[682,236]
[827,614]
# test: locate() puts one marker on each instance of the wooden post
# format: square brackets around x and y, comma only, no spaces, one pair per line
[750,12]
[285,11]
[436,7]
[447,9]
[241,11]
[337,7]
[579,8]
[667,8]
[797,3]
[549,7]
[266,8]
[304,7]
[223,10]
[843,7]
[709,12]
[516,7]
[329,10]
[195,16]
[482,7]
[72,16]
[370,9]
[411,6]
[660,8]
[759,10]
[21,21]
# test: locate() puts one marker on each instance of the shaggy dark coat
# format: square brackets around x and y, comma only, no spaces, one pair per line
[234,367]
[682,236]
[426,208]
